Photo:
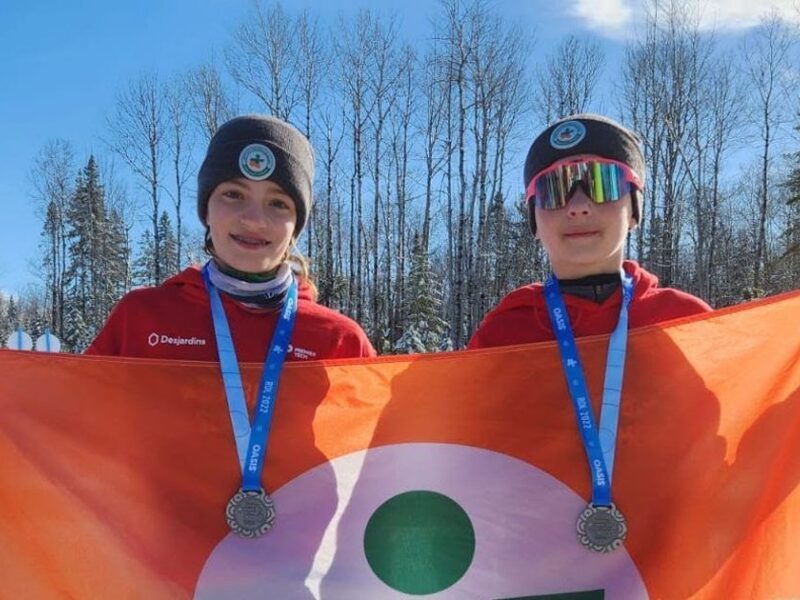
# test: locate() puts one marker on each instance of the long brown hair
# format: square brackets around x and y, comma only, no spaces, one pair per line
[302,268]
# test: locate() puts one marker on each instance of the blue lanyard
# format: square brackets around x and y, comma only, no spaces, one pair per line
[599,444]
[251,442]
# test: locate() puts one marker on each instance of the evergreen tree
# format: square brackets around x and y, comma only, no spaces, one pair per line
[512,255]
[97,272]
[32,312]
[526,256]
[52,245]
[5,323]
[144,264]
[12,315]
[37,325]
[118,268]
[498,276]
[86,280]
[168,247]
[791,235]
[11,319]
[790,257]
[425,330]
[77,333]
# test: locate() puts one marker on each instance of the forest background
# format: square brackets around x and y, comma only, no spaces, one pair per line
[419,224]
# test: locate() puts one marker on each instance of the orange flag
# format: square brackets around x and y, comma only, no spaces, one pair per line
[456,475]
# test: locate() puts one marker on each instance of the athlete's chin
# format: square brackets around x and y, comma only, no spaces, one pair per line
[252,264]
[583,249]
[583,264]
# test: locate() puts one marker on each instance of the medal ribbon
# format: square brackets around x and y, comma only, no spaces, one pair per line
[600,445]
[251,442]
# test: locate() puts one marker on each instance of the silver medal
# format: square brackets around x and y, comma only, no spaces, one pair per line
[601,528]
[250,514]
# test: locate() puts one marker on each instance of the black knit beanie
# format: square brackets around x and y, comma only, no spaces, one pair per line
[259,147]
[584,134]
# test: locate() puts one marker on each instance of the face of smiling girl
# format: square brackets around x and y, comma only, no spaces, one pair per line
[251,224]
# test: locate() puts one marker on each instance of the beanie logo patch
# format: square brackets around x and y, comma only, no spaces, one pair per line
[567,135]
[256,162]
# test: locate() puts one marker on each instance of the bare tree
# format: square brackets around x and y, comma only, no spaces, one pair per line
[434,91]
[641,110]
[498,69]
[53,177]
[566,85]
[313,61]
[481,58]
[312,64]
[660,77]
[180,146]
[353,45]
[456,55]
[767,58]
[137,136]
[329,231]
[125,211]
[397,226]
[717,121]
[263,60]
[211,104]
[383,73]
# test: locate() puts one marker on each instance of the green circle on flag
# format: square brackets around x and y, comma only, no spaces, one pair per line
[419,542]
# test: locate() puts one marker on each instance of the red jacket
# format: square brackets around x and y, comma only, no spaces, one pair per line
[522,317]
[173,321]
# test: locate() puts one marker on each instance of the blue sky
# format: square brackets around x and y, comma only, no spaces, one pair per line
[61,64]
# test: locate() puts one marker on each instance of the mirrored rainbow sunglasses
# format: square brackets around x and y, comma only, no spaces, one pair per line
[602,180]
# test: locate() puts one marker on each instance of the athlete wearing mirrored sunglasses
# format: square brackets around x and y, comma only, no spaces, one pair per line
[584,177]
